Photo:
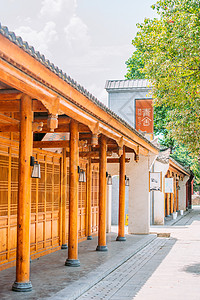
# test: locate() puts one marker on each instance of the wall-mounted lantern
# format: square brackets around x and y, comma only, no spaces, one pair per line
[126,181]
[109,179]
[82,177]
[36,168]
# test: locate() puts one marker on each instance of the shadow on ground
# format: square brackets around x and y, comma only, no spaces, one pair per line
[194,269]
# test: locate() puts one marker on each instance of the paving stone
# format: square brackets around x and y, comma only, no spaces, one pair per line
[165,269]
[51,279]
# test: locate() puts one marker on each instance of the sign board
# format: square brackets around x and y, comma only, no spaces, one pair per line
[155,181]
[144,115]
[169,185]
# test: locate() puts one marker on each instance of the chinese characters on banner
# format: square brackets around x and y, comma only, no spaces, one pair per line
[144,115]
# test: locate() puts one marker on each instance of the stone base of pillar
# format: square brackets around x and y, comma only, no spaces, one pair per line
[22,286]
[89,238]
[72,263]
[102,248]
[64,246]
[121,239]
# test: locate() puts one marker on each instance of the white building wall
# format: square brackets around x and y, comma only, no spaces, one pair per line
[139,196]
[108,208]
[182,193]
[159,197]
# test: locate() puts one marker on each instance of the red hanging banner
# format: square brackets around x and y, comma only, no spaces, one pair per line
[144,115]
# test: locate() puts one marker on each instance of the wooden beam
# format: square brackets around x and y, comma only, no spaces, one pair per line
[73,260]
[61,128]
[6,95]
[92,154]
[14,106]
[23,283]
[38,106]
[9,127]
[109,160]
[102,196]
[50,144]
[8,119]
[9,106]
[61,119]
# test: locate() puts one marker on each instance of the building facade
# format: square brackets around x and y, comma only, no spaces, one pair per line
[132,100]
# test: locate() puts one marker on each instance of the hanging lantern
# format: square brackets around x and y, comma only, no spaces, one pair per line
[36,168]
[126,181]
[82,177]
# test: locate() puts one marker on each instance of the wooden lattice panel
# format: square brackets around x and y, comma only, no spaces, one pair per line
[45,201]
[95,198]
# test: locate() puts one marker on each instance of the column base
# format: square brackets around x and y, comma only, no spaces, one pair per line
[22,286]
[64,246]
[89,238]
[102,248]
[121,239]
[72,263]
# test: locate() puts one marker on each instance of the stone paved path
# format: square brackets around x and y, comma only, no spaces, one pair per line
[120,283]
[165,269]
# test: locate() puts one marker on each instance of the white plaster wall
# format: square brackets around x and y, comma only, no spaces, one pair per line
[182,193]
[112,169]
[159,197]
[108,208]
[139,196]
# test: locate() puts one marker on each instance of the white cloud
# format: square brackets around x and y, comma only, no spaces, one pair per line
[77,36]
[39,39]
[52,8]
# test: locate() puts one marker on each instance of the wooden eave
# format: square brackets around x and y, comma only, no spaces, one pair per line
[26,74]
[175,168]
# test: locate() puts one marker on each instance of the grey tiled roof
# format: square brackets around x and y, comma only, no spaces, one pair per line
[127,84]
[41,58]
[164,157]
[187,170]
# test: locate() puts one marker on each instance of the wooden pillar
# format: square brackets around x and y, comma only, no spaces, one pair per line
[73,260]
[23,283]
[167,202]
[64,201]
[175,193]
[171,199]
[121,217]
[89,200]
[102,196]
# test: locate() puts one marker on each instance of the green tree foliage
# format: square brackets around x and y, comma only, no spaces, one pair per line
[135,64]
[170,47]
[168,53]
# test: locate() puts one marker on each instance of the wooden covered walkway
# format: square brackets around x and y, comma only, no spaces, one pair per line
[48,120]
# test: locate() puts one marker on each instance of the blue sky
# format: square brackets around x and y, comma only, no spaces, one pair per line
[88,39]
